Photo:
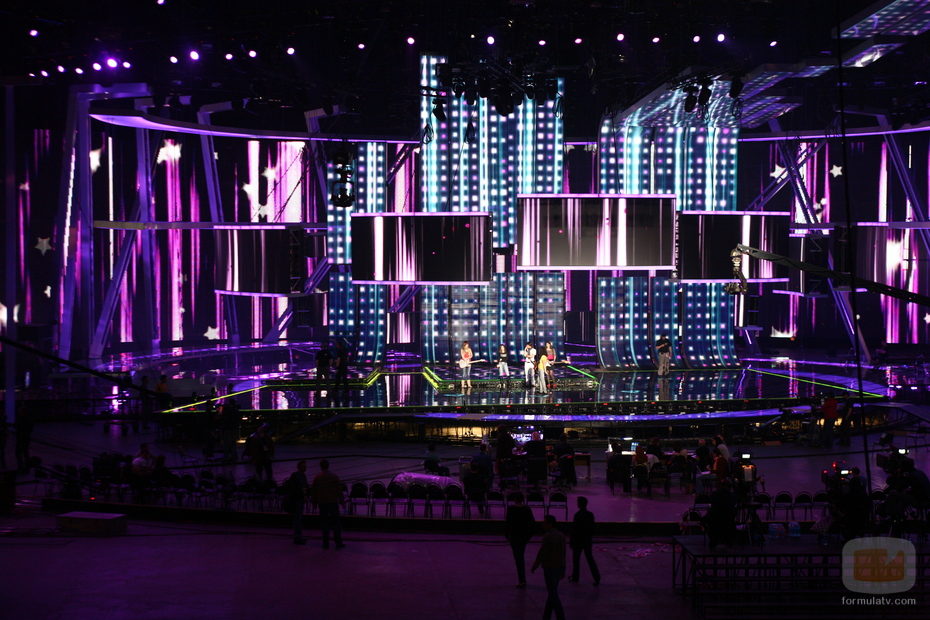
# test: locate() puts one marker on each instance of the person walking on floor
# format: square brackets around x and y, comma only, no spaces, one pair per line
[582,539]
[519,526]
[326,491]
[551,558]
[295,497]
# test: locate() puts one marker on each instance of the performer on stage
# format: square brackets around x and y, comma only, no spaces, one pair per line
[664,349]
[542,365]
[465,356]
[550,376]
[502,367]
[529,365]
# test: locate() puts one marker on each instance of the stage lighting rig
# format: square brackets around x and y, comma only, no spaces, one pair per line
[439,110]
[343,190]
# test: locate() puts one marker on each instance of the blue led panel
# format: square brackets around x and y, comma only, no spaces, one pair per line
[707,326]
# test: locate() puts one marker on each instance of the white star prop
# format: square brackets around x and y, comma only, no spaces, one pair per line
[777,172]
[927,318]
[95,160]
[212,333]
[44,244]
[836,171]
[48,291]
[269,174]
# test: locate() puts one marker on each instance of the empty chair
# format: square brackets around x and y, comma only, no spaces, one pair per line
[358,496]
[398,497]
[417,497]
[535,499]
[558,501]
[494,499]
[436,497]
[821,500]
[455,496]
[765,502]
[784,502]
[378,496]
[803,505]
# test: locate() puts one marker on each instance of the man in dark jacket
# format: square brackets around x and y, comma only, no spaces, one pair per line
[582,540]
[518,528]
[327,492]
[551,557]
[295,496]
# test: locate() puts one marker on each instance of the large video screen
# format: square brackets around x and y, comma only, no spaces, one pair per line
[421,248]
[596,231]
[705,239]
[257,262]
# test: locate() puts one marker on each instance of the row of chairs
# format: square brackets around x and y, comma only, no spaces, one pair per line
[429,500]
[803,505]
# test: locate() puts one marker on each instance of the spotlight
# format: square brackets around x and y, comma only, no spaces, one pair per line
[411,40]
[343,190]
[127,64]
[194,54]
[542,42]
[61,69]
[229,56]
[736,87]
[97,66]
[578,40]
[656,39]
[33,33]
[773,43]
[43,73]
[721,38]
[490,40]
[620,36]
[252,53]
[79,71]
[439,110]
[32,74]
[159,2]
[696,38]
[112,63]
[173,60]
[290,51]
[361,46]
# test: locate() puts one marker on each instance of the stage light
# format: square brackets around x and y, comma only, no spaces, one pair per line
[542,42]
[490,40]
[61,69]
[79,71]
[112,63]
[411,40]
[97,66]
[33,33]
[343,190]
[290,51]
[252,53]
[43,73]
[229,56]
[696,38]
[32,74]
[620,36]
[127,64]
[656,39]
[159,2]
[194,54]
[173,60]
[773,43]
[439,110]
[721,38]
[361,46]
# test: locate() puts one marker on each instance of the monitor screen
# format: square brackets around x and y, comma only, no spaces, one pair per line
[596,231]
[421,248]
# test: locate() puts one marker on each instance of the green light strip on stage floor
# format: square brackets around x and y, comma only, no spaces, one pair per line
[210,400]
[829,385]
[579,371]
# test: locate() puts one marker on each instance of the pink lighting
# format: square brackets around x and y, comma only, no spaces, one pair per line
[79,71]
[656,39]
[361,46]
[33,33]
[252,53]
[194,54]
[61,69]
[229,56]
[620,36]
[112,63]
[696,38]
[773,43]
[127,64]
[411,40]
[578,41]
[721,38]
[542,41]
[290,51]
[173,60]
[43,73]
[97,66]
[490,40]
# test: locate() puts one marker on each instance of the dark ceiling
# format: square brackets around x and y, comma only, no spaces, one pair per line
[379,84]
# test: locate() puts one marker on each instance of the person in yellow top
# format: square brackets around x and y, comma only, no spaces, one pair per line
[465,357]
[541,367]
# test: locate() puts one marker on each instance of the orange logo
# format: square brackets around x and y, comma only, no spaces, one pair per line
[874,565]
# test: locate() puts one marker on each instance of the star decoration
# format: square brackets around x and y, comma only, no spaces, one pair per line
[212,333]
[269,174]
[778,172]
[48,292]
[44,244]
[95,159]
[927,318]
[836,171]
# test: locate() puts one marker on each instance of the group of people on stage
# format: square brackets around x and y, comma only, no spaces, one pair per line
[537,366]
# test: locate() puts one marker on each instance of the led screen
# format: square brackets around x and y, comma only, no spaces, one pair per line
[596,231]
[706,238]
[258,262]
[421,248]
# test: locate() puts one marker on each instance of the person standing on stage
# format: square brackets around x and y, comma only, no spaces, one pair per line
[550,376]
[324,360]
[664,349]
[529,365]
[502,368]
[465,357]
[542,365]
[341,364]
